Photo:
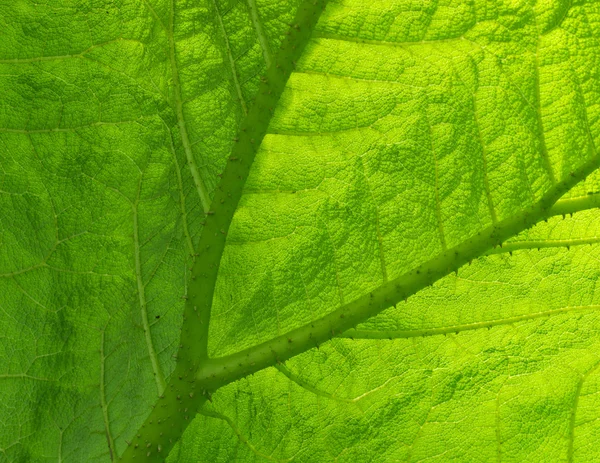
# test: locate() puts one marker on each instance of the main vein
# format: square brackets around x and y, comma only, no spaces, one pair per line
[405,334]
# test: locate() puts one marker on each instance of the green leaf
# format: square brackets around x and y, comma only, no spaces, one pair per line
[194,195]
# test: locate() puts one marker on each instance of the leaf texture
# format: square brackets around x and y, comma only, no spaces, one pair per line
[406,129]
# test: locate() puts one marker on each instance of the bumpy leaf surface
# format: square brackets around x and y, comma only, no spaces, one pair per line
[405,129]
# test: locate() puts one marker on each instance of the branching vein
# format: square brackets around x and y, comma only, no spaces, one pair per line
[405,334]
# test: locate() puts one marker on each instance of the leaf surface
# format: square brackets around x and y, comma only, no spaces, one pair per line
[405,131]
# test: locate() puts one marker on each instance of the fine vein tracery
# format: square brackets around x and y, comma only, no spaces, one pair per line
[102,103]
[196,375]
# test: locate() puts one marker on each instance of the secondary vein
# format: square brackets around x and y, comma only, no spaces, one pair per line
[234,74]
[241,437]
[260,33]
[539,120]
[185,141]
[573,417]
[103,403]
[158,374]
[538,244]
